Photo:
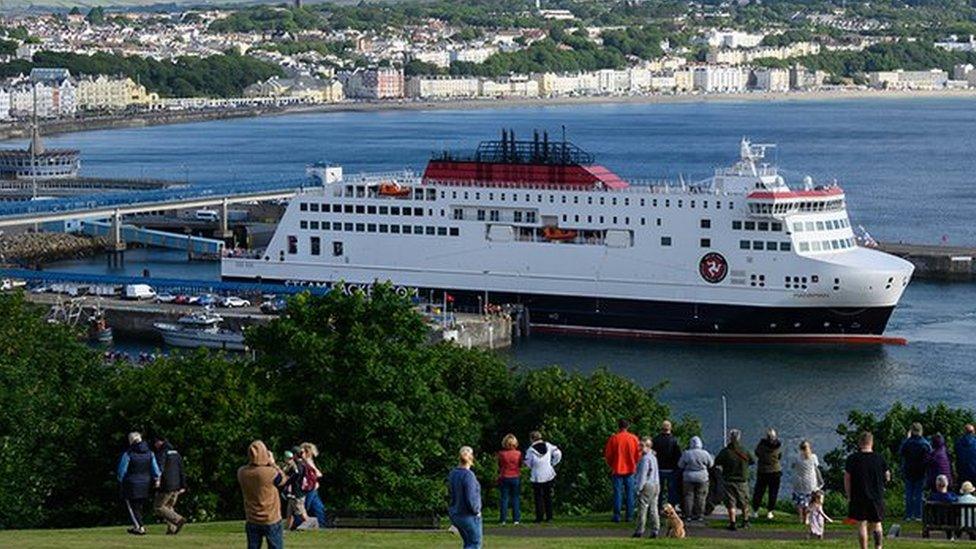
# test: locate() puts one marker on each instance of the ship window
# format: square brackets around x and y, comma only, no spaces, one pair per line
[643,221]
[736,225]
[601,200]
[371,210]
[614,220]
[315,245]
[750,225]
[808,226]
[564,199]
[394,229]
[517,216]
[551,199]
[371,227]
[292,244]
[667,203]
[347,208]
[384,228]
[360,209]
[314,225]
[798,227]
[417,229]
[337,248]
[431,194]
[835,244]
[743,244]
[576,218]
[455,231]
[503,197]
[654,202]
[458,213]
[718,204]
[757,244]
[804,247]
[348,227]
[658,222]
[481,215]
[477,196]
[601,219]
[303,207]
[626,221]
[564,217]
[763,226]
[394,210]
[360,227]
[706,223]
[430,230]
[613,201]
[680,203]
[465,195]
[626,202]
[731,205]
[384,210]
[530,217]
[538,198]
[418,212]
[820,225]
[692,203]
[491,196]
[784,246]
[303,224]
[575,200]
[706,243]
[493,215]
[665,240]
[815,246]
[314,207]
[443,194]
[325,225]
[407,229]
[771,246]
[453,195]
[441,231]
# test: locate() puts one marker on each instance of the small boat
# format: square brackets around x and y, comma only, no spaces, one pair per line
[200,329]
[98,329]
[557,234]
[393,189]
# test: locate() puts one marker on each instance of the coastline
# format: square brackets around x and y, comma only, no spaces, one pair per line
[21,129]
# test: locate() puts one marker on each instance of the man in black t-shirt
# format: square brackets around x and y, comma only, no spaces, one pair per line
[865,475]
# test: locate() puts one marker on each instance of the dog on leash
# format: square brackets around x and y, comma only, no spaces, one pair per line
[674,526]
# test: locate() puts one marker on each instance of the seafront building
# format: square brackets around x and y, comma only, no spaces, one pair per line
[305,89]
[720,79]
[108,93]
[909,80]
[374,83]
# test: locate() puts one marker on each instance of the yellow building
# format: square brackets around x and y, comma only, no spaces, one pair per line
[104,93]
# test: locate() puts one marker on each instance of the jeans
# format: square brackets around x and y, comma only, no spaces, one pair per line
[669,481]
[696,494]
[766,482]
[314,508]
[623,487]
[647,504]
[469,526]
[542,492]
[509,489]
[913,498]
[274,533]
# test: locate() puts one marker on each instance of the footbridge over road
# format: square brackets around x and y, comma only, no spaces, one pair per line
[113,206]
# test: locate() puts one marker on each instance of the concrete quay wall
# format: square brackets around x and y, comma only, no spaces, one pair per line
[946,263]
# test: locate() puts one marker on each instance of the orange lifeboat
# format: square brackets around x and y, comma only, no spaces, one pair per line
[393,189]
[557,234]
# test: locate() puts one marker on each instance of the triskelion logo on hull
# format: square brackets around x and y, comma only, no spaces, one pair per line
[713,267]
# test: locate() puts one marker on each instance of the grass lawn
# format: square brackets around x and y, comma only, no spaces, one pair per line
[225,535]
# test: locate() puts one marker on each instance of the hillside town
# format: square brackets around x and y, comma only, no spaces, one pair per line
[307,57]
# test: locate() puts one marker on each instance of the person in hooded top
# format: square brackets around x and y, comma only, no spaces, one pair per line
[136,472]
[966,455]
[172,483]
[913,451]
[541,458]
[769,472]
[695,463]
[937,462]
[260,480]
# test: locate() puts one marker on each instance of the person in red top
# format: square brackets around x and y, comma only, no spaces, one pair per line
[622,454]
[509,477]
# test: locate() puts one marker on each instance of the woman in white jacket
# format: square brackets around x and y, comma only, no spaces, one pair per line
[541,459]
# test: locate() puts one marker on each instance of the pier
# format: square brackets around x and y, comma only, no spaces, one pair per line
[934,262]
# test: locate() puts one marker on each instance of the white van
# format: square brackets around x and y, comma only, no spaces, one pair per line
[206,215]
[139,291]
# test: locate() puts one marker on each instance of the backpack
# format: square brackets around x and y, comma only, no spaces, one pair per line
[309,479]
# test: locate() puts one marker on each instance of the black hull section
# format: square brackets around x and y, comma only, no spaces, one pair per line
[631,317]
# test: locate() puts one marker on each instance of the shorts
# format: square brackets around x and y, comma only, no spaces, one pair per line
[801,499]
[296,507]
[866,510]
[736,495]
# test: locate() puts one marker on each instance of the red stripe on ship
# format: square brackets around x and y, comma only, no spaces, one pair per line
[622,333]
[533,174]
[815,193]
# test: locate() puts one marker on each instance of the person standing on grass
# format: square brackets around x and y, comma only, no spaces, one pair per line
[464,493]
[648,484]
[137,471]
[668,452]
[768,473]
[260,480]
[937,463]
[509,478]
[806,479]
[734,460]
[313,501]
[966,455]
[541,458]
[172,483]
[621,453]
[694,464]
[913,452]
[865,475]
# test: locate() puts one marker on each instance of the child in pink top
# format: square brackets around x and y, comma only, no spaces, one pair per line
[816,517]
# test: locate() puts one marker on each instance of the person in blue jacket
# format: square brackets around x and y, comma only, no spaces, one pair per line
[966,456]
[137,471]
[465,495]
[913,452]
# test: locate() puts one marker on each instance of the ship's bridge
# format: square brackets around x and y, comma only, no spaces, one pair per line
[750,173]
[781,203]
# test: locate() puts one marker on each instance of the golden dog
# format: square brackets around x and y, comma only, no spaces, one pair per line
[674,526]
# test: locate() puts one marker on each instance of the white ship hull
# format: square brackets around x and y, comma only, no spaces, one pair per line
[177,336]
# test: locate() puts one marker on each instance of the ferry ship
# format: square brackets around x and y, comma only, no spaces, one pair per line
[738,256]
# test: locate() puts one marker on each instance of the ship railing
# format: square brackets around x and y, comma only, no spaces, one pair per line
[400,176]
[635,186]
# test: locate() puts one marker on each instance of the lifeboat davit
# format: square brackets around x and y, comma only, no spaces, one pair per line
[393,189]
[557,234]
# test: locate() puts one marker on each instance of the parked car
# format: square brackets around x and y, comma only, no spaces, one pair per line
[139,291]
[205,300]
[182,299]
[274,306]
[166,297]
[234,301]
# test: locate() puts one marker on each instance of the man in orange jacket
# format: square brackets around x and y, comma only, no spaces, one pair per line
[622,454]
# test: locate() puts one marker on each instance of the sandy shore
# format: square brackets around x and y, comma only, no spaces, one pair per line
[20,130]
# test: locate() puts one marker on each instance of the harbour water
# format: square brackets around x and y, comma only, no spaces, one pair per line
[905,164]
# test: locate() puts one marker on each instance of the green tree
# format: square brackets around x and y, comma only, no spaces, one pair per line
[96,15]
